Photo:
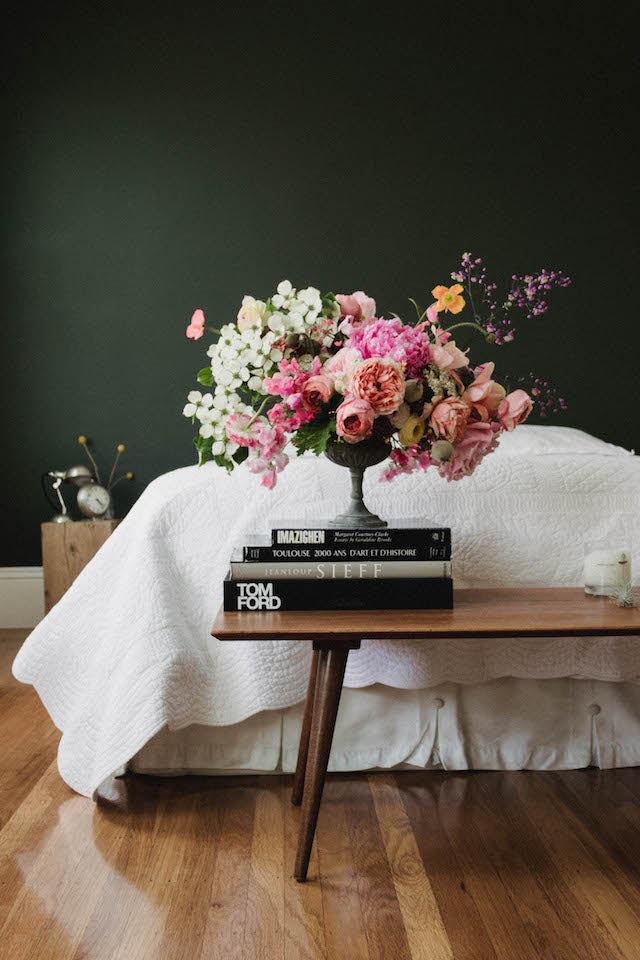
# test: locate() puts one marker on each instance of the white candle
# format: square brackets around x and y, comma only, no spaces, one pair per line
[605,571]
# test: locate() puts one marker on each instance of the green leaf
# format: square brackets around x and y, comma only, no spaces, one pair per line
[241,455]
[205,376]
[314,437]
[203,446]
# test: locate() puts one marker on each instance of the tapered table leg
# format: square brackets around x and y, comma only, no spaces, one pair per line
[331,667]
[303,749]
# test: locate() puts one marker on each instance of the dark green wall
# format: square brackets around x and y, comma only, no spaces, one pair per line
[164,158]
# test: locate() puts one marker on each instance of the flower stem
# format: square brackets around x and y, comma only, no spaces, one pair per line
[258,412]
[466,323]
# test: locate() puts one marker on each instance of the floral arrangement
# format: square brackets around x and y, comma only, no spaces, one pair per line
[319,369]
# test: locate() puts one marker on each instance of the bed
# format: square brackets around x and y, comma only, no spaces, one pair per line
[126,667]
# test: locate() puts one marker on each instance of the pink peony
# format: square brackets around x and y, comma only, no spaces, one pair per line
[484,394]
[356,305]
[514,409]
[479,440]
[449,419]
[393,339]
[316,390]
[196,327]
[380,381]
[354,420]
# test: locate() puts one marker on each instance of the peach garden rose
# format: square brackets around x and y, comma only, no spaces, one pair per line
[449,419]
[354,420]
[380,381]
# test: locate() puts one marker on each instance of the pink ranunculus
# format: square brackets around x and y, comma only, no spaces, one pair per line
[354,420]
[449,419]
[357,305]
[446,355]
[380,381]
[484,394]
[196,327]
[514,409]
[316,390]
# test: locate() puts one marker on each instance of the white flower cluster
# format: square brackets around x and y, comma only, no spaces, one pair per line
[212,413]
[249,350]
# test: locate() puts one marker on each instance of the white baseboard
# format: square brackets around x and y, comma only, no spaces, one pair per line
[21,596]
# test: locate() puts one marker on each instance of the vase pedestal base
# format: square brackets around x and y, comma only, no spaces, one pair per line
[354,520]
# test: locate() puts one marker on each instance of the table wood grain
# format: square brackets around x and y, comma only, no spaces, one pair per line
[536,612]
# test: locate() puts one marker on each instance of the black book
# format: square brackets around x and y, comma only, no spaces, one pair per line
[265,553]
[430,593]
[399,536]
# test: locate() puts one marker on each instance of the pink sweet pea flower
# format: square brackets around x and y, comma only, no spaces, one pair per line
[196,327]
[268,479]
[514,409]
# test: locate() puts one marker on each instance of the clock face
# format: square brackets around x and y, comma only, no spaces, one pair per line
[93,500]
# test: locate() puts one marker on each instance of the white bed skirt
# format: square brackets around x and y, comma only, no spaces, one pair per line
[505,724]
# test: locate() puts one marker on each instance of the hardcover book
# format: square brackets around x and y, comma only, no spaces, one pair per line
[265,553]
[398,536]
[429,593]
[340,570]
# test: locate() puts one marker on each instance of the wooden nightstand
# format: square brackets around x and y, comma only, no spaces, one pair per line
[66,550]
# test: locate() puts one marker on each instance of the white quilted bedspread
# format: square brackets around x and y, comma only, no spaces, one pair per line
[127,650]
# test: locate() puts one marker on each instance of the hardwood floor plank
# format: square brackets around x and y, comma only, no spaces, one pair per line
[468,936]
[343,920]
[223,937]
[383,922]
[264,928]
[607,809]
[559,924]
[459,814]
[126,907]
[585,865]
[303,915]
[423,924]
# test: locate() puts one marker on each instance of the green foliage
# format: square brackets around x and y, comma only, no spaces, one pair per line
[203,446]
[314,437]
[205,376]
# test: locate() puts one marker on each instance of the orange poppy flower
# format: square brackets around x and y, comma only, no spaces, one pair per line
[448,298]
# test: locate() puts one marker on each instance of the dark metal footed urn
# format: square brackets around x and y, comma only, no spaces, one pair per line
[357,457]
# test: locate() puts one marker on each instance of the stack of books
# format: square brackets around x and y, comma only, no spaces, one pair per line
[382,568]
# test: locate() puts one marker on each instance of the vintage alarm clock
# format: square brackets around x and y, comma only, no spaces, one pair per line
[95,501]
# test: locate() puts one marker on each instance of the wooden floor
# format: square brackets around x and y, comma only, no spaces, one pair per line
[414,865]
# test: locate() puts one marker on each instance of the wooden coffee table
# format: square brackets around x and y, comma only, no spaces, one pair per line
[547,612]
